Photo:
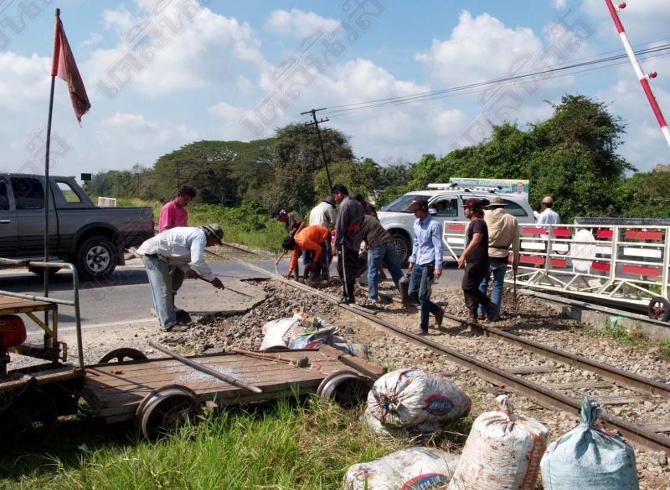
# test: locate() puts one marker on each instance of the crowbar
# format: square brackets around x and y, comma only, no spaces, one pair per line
[228,287]
[206,369]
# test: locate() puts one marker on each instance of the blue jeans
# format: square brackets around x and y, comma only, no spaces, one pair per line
[419,290]
[377,255]
[497,270]
[164,281]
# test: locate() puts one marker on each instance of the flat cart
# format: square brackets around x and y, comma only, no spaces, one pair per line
[157,393]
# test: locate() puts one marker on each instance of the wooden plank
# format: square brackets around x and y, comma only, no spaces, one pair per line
[659,428]
[118,379]
[194,378]
[531,370]
[619,400]
[587,385]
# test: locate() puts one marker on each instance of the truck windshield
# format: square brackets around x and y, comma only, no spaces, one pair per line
[401,205]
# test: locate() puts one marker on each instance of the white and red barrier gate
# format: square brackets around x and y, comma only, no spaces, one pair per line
[623,265]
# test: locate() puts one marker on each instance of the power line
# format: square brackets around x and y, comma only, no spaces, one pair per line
[661,50]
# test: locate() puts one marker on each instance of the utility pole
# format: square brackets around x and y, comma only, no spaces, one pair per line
[318,132]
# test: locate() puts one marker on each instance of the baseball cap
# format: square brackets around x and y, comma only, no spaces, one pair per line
[213,231]
[473,203]
[417,204]
[496,202]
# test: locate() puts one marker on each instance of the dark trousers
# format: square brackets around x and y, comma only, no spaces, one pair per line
[419,290]
[347,263]
[472,278]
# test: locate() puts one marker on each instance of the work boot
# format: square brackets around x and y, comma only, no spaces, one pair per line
[345,301]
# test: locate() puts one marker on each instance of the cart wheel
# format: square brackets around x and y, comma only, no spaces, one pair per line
[659,309]
[122,355]
[33,416]
[346,388]
[164,410]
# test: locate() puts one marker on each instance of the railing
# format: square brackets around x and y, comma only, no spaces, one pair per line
[9,263]
[615,262]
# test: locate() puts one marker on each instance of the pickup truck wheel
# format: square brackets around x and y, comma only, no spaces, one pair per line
[402,246]
[96,258]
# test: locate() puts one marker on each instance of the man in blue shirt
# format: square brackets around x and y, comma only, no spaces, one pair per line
[425,263]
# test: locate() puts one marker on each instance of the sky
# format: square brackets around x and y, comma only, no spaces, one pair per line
[164,73]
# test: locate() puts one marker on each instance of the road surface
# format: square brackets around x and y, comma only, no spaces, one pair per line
[126,300]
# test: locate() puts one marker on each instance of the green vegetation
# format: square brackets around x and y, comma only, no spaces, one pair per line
[633,338]
[573,155]
[284,447]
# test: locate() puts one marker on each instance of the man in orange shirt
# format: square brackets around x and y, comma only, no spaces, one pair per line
[310,239]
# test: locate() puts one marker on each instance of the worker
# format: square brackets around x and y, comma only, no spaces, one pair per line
[367,207]
[172,254]
[174,213]
[548,216]
[425,263]
[293,221]
[324,213]
[312,239]
[503,232]
[347,239]
[475,259]
[379,244]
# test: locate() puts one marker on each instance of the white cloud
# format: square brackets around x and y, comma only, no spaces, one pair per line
[480,48]
[643,20]
[298,23]
[93,39]
[184,46]
[24,80]
[559,4]
[120,19]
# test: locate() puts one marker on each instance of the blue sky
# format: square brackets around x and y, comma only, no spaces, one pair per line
[161,74]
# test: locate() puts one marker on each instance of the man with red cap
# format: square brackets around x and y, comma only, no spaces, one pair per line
[475,258]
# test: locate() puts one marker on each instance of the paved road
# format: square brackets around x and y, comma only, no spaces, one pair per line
[127,298]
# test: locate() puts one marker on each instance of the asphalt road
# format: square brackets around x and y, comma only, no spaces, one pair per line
[127,298]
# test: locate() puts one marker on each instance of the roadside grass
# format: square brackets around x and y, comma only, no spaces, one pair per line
[288,445]
[248,224]
[632,338]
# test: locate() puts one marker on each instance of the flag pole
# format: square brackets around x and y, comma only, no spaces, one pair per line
[47,186]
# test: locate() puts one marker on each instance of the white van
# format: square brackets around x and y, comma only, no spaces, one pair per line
[446,204]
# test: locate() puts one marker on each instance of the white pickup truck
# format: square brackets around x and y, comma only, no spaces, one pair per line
[446,204]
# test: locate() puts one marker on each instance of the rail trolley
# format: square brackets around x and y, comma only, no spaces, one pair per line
[619,265]
[157,394]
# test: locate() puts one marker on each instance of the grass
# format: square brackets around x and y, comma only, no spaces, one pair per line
[248,224]
[632,338]
[288,446]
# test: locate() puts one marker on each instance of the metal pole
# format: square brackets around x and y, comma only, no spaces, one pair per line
[47,186]
[644,79]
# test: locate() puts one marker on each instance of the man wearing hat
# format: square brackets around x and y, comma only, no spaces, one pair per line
[425,263]
[293,221]
[503,231]
[348,239]
[475,258]
[171,255]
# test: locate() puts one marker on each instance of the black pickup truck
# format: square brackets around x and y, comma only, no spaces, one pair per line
[91,237]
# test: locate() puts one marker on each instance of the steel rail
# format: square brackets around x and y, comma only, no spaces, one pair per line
[491,373]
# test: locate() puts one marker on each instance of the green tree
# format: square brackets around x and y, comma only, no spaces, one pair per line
[645,195]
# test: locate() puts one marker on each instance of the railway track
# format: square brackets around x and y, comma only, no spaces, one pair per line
[647,435]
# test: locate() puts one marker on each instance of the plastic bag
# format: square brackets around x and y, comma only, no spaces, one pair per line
[503,451]
[413,468]
[589,457]
[409,397]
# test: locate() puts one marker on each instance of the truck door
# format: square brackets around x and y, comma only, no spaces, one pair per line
[29,204]
[8,230]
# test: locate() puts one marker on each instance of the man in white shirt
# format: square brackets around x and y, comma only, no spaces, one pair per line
[324,213]
[548,216]
[171,255]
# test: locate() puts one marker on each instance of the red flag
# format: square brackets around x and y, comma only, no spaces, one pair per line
[65,67]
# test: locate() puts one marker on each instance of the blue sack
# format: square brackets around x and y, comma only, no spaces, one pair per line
[589,457]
